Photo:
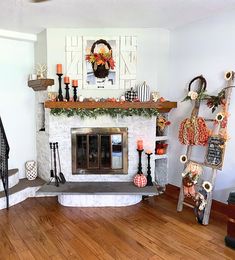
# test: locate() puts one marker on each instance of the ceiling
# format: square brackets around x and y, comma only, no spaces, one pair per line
[25,16]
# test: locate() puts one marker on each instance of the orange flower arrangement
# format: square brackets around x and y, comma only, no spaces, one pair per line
[162,122]
[101,58]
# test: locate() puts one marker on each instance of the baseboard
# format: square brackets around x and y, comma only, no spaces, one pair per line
[173,191]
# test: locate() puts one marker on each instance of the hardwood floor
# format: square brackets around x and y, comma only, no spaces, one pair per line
[40,228]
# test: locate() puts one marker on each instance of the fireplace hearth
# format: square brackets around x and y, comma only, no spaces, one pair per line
[99,150]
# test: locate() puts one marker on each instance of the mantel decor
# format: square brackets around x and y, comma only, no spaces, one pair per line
[162,107]
[101,61]
[40,84]
[113,109]
[113,112]
[60,96]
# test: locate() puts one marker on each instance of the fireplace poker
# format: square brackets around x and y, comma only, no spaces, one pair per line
[51,170]
[62,178]
[57,179]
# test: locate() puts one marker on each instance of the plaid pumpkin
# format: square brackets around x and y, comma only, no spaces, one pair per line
[131,95]
[140,180]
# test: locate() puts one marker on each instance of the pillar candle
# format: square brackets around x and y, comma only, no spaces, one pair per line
[74,82]
[140,144]
[66,79]
[148,151]
[59,68]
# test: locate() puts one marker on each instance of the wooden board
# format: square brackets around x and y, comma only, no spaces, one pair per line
[215,152]
[40,84]
[160,106]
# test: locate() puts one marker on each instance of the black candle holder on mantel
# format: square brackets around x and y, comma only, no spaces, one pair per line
[140,163]
[149,177]
[60,96]
[67,97]
[75,97]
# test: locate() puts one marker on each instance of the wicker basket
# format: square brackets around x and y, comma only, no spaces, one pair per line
[100,71]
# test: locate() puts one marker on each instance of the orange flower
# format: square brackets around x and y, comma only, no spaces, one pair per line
[101,58]
[99,62]
[102,50]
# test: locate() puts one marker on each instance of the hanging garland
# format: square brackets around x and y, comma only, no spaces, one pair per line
[113,112]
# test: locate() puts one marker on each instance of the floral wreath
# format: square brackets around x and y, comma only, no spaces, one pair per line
[213,101]
[200,93]
[102,57]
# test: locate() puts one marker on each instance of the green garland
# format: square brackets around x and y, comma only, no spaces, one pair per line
[113,112]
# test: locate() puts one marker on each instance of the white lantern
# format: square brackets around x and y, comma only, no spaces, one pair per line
[31,170]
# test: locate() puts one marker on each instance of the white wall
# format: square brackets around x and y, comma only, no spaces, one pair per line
[17,100]
[207,48]
[152,55]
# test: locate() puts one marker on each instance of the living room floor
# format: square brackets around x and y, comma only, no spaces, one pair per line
[40,228]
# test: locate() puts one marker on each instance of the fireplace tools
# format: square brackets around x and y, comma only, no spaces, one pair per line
[62,178]
[53,172]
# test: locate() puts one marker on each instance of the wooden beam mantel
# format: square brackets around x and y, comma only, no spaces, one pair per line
[40,84]
[163,107]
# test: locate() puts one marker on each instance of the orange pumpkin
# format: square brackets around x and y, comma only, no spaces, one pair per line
[160,151]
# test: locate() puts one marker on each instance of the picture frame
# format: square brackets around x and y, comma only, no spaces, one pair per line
[90,81]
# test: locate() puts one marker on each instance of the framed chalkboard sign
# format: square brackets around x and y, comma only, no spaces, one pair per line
[215,152]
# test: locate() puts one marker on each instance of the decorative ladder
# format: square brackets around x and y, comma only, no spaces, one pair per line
[4,155]
[213,173]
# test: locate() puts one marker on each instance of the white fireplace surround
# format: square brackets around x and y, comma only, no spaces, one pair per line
[58,129]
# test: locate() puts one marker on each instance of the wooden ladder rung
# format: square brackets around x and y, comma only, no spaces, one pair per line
[209,119]
[200,163]
[189,205]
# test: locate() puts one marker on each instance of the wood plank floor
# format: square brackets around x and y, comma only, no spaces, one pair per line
[40,228]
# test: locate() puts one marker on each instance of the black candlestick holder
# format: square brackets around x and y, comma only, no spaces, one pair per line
[140,163]
[60,96]
[75,97]
[67,97]
[149,177]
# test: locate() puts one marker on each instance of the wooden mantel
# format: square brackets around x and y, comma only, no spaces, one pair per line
[163,107]
[40,84]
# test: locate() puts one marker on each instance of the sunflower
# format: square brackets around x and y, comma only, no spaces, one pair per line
[228,75]
[183,158]
[219,117]
[207,186]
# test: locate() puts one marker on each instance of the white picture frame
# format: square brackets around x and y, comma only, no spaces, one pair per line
[89,79]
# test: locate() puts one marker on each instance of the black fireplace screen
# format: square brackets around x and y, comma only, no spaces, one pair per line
[99,150]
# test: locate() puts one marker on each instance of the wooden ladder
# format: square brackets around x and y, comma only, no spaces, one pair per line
[213,170]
